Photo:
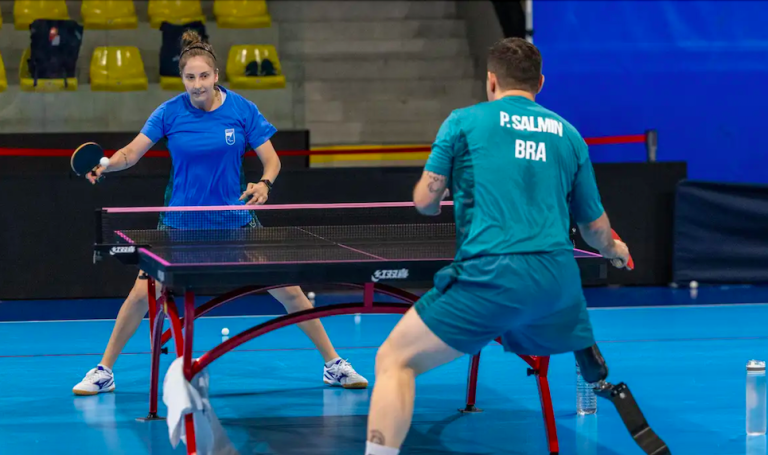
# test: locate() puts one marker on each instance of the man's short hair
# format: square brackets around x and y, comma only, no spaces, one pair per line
[516,64]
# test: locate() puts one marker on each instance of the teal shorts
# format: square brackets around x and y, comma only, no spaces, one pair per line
[534,302]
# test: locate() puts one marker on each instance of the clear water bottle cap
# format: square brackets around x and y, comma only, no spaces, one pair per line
[755,365]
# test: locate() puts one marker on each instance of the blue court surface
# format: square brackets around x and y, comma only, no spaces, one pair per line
[683,357]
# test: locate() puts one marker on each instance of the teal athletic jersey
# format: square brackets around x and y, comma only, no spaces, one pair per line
[517,172]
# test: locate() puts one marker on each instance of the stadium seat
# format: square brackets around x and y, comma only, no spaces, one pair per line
[241,13]
[172,83]
[26,11]
[242,60]
[175,12]
[109,14]
[43,85]
[3,78]
[117,69]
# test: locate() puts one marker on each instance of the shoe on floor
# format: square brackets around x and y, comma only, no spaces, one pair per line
[341,373]
[98,380]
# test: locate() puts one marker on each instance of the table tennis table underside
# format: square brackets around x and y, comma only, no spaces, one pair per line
[230,268]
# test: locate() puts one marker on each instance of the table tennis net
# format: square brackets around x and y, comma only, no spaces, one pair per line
[293,224]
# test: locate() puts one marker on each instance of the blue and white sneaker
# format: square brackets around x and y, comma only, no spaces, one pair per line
[341,373]
[98,380]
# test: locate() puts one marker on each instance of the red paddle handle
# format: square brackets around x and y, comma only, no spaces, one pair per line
[630,262]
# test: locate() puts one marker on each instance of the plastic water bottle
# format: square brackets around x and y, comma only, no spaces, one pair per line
[586,400]
[756,404]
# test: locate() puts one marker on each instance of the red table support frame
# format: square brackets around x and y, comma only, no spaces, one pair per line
[165,305]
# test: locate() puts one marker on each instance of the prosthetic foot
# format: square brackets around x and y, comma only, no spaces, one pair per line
[595,371]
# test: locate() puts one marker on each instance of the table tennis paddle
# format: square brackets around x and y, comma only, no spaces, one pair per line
[630,262]
[86,158]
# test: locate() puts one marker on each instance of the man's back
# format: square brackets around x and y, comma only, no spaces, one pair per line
[513,168]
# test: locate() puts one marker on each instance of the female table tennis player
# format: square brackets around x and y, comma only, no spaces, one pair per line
[207,128]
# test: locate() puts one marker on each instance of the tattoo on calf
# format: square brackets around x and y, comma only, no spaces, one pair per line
[436,182]
[377,437]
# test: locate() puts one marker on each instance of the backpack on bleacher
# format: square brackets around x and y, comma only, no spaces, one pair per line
[171,47]
[54,49]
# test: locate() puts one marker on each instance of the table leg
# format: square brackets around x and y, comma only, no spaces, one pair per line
[151,299]
[156,320]
[189,325]
[474,367]
[156,330]
[540,370]
[368,290]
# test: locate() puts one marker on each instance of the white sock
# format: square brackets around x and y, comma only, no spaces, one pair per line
[331,362]
[105,368]
[371,448]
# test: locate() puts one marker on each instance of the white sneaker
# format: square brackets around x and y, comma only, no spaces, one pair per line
[98,380]
[341,373]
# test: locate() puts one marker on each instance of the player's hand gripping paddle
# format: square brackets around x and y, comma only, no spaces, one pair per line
[617,262]
[87,157]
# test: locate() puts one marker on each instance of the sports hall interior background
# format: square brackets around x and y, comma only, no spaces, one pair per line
[380,77]
[670,96]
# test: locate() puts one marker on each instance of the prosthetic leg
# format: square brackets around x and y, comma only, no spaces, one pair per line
[595,371]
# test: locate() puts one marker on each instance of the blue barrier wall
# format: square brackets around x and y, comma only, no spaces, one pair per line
[696,71]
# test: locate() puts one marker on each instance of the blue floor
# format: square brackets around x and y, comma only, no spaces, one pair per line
[684,359]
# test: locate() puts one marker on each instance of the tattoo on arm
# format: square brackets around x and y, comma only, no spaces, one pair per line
[436,182]
[377,437]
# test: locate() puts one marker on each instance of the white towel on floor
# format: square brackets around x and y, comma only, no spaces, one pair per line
[184,397]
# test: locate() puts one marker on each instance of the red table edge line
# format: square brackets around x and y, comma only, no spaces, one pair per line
[155,257]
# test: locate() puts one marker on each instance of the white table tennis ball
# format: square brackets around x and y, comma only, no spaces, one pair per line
[311,295]
[104,161]
[225,331]
[694,284]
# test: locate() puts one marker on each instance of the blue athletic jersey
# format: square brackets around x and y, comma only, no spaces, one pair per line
[516,172]
[207,150]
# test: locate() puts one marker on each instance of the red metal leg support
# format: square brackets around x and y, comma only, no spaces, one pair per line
[184,349]
[151,299]
[173,317]
[368,294]
[157,319]
[541,370]
[189,328]
[474,367]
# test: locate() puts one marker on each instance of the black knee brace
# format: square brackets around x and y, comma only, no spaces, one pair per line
[595,371]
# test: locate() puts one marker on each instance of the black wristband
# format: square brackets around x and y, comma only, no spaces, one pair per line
[268,183]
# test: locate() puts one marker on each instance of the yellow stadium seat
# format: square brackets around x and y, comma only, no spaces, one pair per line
[3,78]
[172,83]
[109,14]
[239,58]
[177,12]
[43,85]
[241,13]
[117,69]
[26,11]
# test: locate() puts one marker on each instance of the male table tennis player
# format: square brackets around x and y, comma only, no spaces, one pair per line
[516,171]
[207,128]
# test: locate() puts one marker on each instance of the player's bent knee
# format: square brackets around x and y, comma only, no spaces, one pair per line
[388,358]
[139,290]
[592,364]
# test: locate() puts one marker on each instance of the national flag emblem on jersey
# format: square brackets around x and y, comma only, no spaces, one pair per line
[230,136]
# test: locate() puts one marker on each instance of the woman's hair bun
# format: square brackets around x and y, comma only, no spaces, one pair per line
[189,38]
